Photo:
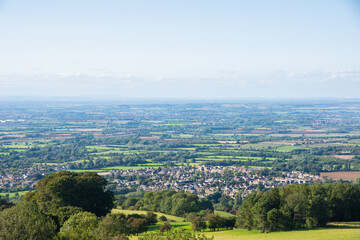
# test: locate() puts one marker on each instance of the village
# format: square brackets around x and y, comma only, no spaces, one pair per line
[205,180]
[198,179]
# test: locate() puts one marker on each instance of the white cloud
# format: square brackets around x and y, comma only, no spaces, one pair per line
[338,83]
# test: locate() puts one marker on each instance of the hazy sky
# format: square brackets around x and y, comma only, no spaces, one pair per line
[180,49]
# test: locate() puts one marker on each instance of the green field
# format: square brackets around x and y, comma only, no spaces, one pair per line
[11,195]
[343,231]
[224,214]
[169,217]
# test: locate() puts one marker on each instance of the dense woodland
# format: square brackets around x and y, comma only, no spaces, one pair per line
[300,206]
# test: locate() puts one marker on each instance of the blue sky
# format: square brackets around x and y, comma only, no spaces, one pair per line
[180,49]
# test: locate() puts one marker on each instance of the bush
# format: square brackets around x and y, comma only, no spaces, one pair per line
[151,218]
[165,227]
[198,223]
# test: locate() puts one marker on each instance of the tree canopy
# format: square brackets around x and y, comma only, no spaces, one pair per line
[300,206]
[84,190]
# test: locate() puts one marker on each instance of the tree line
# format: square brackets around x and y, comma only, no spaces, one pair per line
[172,202]
[300,207]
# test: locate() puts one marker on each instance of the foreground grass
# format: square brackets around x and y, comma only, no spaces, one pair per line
[318,234]
[321,234]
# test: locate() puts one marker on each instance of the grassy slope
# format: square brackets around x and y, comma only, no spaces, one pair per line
[169,217]
[224,214]
[343,231]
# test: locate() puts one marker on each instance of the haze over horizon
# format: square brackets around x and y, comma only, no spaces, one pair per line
[185,49]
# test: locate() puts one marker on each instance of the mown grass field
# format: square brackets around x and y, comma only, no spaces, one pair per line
[343,233]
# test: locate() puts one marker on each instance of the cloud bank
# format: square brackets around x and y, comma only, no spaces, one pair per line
[342,83]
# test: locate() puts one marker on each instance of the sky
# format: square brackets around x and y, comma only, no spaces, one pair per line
[180,49]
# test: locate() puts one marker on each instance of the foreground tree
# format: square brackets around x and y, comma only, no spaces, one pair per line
[198,223]
[26,221]
[84,190]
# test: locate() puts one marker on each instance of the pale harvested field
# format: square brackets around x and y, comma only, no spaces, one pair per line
[150,138]
[86,129]
[341,175]
[346,157]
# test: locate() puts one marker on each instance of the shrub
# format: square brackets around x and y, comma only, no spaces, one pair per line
[165,227]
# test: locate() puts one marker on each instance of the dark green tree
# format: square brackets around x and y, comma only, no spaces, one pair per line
[214,221]
[151,218]
[137,225]
[85,190]
[165,227]
[4,204]
[198,223]
[113,225]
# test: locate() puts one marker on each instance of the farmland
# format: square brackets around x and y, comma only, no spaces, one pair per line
[220,153]
[37,139]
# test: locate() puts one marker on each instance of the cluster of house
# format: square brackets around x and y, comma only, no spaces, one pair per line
[205,180]
[27,178]
[197,179]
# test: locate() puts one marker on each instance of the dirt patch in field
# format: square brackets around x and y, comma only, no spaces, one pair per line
[347,157]
[351,175]
[153,138]
[86,129]
[229,142]
[104,173]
